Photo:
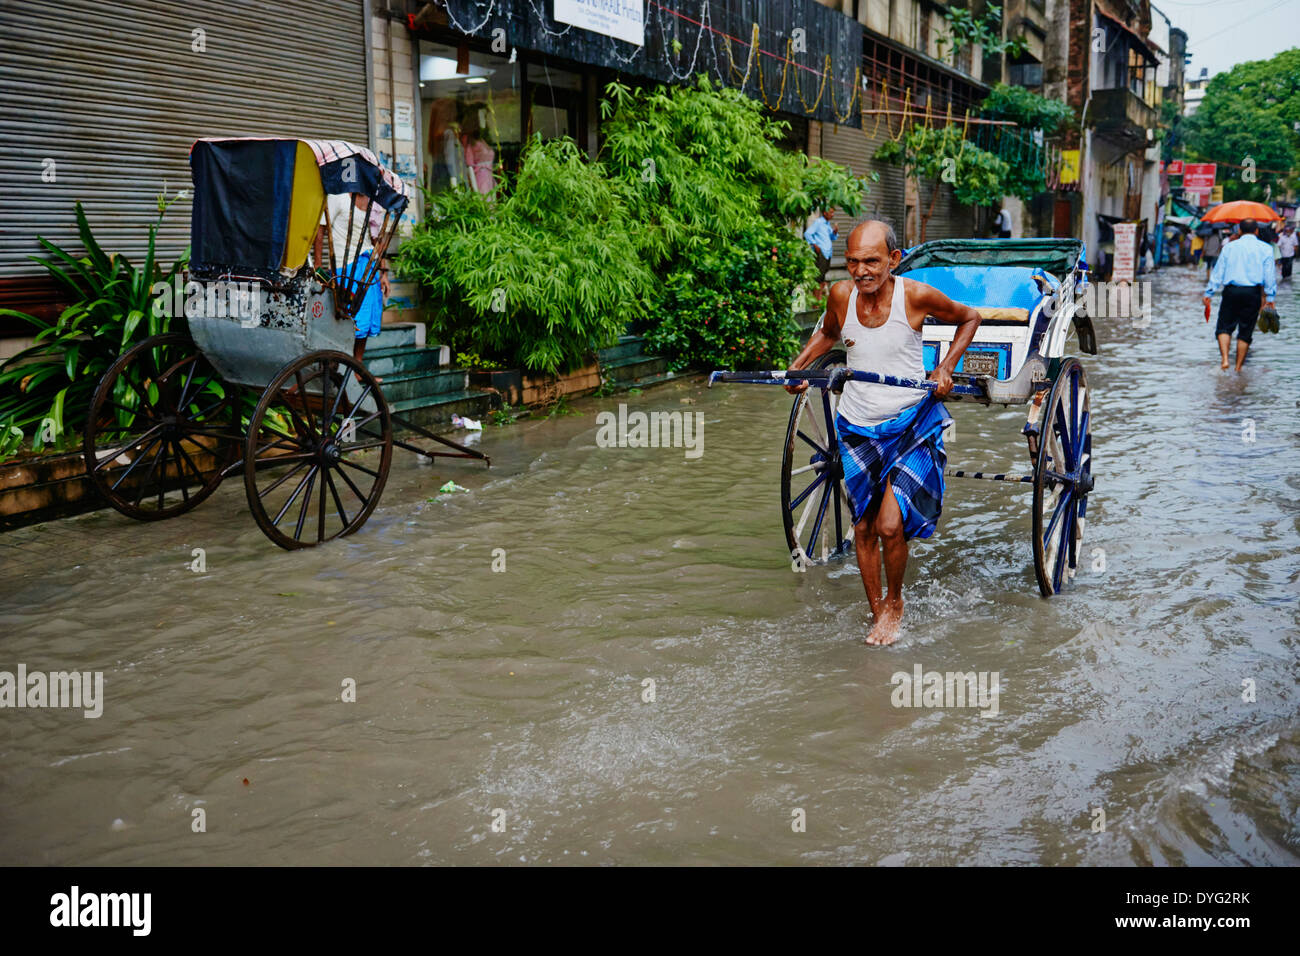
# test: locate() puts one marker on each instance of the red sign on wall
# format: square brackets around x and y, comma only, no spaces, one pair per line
[1198,177]
[1175,167]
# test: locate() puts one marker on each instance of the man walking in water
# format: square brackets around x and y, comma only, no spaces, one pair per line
[1245,272]
[890,438]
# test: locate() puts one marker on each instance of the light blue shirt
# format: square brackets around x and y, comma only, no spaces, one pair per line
[1246,261]
[821,234]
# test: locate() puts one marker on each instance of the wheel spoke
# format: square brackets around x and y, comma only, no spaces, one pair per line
[283,478]
[355,490]
[180,473]
[306,500]
[107,458]
[817,525]
[807,491]
[1058,509]
[353,464]
[185,456]
[294,497]
[134,462]
[338,503]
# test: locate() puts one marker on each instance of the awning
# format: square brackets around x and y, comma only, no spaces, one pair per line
[1142,44]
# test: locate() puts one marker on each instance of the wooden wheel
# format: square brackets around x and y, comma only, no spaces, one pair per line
[1062,479]
[318,450]
[160,429]
[815,506]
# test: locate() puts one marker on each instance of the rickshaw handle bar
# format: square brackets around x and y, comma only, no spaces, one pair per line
[835,379]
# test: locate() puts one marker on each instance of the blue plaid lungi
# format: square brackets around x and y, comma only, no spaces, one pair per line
[908,451]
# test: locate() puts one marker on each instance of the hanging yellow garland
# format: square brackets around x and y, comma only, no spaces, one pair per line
[749,61]
[826,72]
[884,93]
[763,92]
[848,110]
[902,125]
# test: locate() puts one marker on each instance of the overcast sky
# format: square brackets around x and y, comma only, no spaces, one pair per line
[1223,33]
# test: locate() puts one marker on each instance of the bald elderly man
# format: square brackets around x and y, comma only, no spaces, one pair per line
[890,438]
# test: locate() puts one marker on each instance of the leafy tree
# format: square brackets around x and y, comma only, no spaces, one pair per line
[1027,109]
[977,177]
[1251,112]
[965,29]
[702,164]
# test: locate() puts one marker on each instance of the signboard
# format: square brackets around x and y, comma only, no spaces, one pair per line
[1175,167]
[1216,194]
[1198,177]
[1125,267]
[1069,166]
[620,19]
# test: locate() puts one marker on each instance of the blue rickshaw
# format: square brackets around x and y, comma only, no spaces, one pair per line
[1027,293]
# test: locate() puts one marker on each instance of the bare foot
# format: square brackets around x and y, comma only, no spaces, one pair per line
[888,621]
[1224,365]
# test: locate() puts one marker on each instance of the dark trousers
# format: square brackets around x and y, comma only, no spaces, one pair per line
[1286,266]
[1238,310]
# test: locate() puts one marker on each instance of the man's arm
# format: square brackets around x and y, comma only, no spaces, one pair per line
[825,335]
[930,301]
[1270,274]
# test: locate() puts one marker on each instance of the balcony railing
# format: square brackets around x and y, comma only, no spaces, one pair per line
[1121,116]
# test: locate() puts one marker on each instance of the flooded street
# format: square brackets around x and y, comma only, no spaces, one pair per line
[515,697]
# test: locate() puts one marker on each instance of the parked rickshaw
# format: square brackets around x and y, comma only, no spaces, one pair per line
[1026,291]
[257,375]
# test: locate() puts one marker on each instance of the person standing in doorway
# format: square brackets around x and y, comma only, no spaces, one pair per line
[1002,224]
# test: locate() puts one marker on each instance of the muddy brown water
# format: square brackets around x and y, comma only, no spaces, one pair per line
[516,697]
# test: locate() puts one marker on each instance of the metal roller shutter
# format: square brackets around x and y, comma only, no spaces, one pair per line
[950,219]
[854,148]
[115,95]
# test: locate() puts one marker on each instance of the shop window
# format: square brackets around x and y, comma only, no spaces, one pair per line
[471,112]
[558,106]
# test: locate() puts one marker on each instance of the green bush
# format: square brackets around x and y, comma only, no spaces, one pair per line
[48,387]
[691,185]
[540,278]
[731,306]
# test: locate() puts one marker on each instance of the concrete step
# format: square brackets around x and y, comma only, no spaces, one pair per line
[391,361]
[470,403]
[626,347]
[397,335]
[634,369]
[424,384]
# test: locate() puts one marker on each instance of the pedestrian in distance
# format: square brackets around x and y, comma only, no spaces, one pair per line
[1286,247]
[1245,273]
[820,234]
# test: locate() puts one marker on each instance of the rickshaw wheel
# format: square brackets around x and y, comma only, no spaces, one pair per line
[321,430]
[1062,479]
[160,430]
[812,450]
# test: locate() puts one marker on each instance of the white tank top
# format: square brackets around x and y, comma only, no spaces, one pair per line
[891,349]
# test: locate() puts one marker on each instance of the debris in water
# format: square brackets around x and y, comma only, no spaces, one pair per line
[450,487]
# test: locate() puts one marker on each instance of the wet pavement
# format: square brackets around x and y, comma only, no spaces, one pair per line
[1160,690]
